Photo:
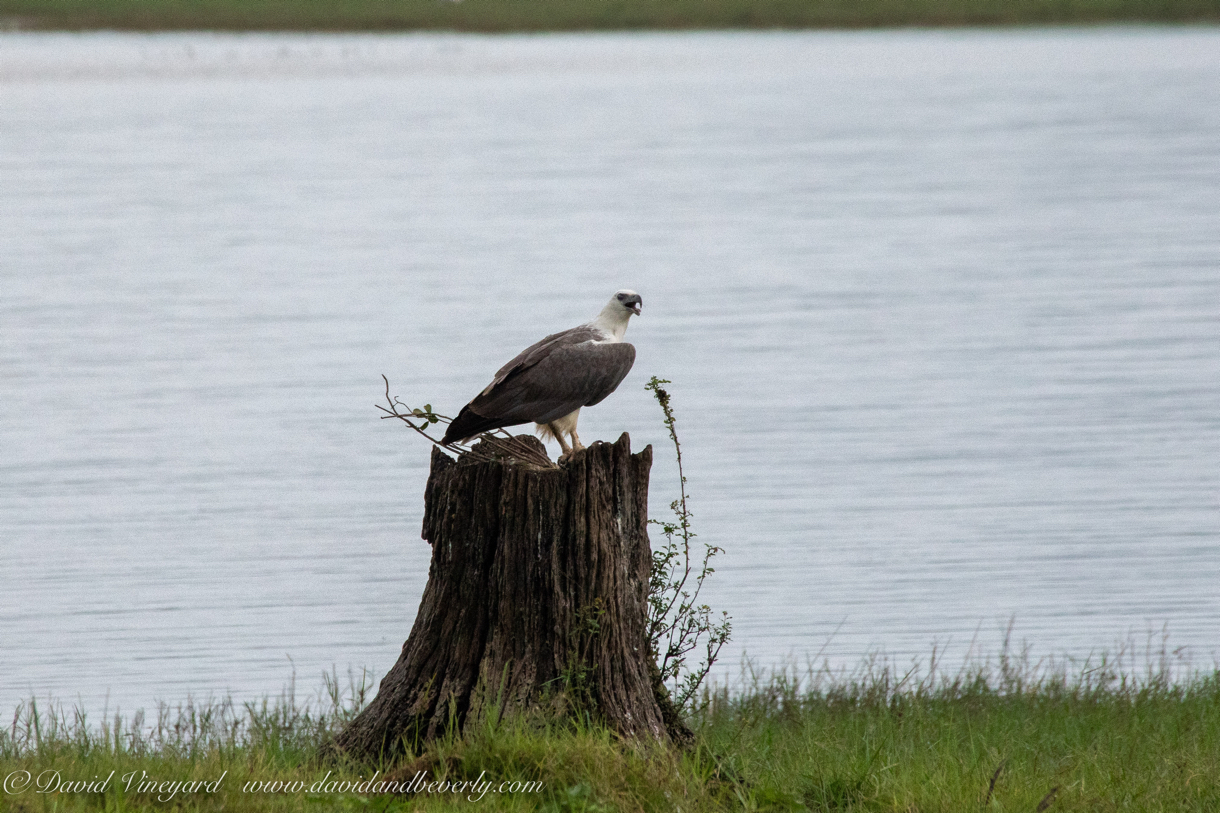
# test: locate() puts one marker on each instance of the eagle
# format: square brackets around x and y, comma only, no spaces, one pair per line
[549,382]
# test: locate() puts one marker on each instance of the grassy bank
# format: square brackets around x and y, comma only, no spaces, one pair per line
[986,739]
[579,15]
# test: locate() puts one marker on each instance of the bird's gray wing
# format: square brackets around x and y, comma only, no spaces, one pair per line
[539,350]
[536,387]
[555,380]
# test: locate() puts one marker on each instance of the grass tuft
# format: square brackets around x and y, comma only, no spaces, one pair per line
[1003,734]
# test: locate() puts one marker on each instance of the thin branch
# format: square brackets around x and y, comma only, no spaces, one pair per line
[677,622]
[497,445]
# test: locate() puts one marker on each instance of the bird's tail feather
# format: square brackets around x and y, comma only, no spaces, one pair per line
[467,424]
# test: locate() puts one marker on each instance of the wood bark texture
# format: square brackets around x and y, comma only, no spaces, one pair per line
[537,595]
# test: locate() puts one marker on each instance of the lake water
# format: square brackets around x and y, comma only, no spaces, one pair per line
[941,310]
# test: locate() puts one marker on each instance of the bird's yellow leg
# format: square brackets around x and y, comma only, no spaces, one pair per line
[576,444]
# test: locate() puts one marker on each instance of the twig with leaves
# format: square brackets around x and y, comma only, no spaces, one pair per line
[677,622]
[496,445]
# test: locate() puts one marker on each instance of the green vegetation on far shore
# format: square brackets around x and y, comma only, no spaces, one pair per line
[581,15]
[1005,737]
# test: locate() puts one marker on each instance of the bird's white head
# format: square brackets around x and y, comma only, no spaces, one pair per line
[618,310]
[629,300]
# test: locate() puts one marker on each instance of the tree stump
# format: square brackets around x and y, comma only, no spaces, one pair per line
[537,596]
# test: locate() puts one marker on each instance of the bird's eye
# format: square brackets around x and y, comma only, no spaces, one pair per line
[622,297]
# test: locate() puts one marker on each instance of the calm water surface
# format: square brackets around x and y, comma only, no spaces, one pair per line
[942,312]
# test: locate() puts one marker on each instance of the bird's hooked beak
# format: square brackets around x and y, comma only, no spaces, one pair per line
[635,308]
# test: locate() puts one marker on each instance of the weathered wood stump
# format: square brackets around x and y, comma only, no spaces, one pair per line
[536,596]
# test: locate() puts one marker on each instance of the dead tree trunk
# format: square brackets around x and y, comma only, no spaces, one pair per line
[536,596]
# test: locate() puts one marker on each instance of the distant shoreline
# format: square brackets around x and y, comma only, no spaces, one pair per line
[520,16]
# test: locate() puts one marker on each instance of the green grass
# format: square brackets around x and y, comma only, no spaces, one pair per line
[581,15]
[1097,739]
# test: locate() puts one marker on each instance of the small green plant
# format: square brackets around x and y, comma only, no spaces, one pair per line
[577,676]
[677,623]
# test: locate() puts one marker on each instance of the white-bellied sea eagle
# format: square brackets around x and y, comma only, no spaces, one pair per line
[550,381]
